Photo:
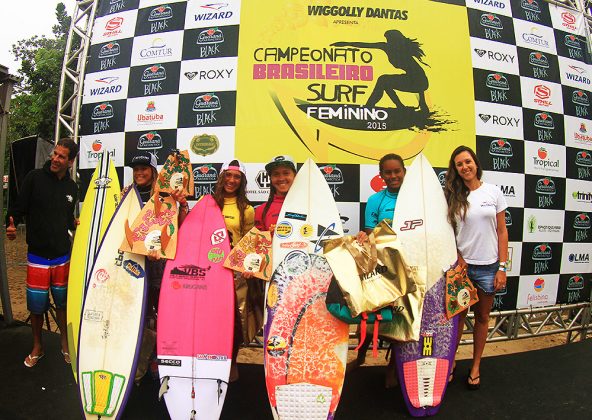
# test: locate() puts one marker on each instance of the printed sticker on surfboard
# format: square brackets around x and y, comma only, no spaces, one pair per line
[154,231]
[176,174]
[196,317]
[308,216]
[99,205]
[421,224]
[252,253]
[112,319]
[305,346]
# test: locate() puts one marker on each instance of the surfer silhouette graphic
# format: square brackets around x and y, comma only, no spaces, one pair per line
[405,54]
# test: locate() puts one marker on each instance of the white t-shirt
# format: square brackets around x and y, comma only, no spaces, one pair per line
[476,235]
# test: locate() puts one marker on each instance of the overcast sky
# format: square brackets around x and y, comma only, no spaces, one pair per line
[21,19]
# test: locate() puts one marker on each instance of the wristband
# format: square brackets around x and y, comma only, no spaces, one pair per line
[502,269]
[502,263]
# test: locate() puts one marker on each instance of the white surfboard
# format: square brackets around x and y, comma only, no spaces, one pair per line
[112,319]
[421,224]
[309,215]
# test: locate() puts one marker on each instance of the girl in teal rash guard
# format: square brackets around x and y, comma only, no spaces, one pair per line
[381,206]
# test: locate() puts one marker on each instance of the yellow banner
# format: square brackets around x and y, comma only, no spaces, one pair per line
[347,83]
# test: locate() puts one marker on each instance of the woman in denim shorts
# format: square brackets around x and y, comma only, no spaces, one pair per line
[476,210]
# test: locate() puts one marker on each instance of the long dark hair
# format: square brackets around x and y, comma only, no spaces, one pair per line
[404,45]
[242,202]
[455,190]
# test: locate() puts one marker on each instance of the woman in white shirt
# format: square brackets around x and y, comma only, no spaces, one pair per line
[476,210]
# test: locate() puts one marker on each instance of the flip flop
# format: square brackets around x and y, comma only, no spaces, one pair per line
[66,357]
[471,385]
[31,361]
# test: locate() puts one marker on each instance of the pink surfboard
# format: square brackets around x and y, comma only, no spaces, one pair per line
[196,317]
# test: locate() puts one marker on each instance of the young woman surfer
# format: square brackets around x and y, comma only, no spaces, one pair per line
[476,210]
[230,194]
[381,206]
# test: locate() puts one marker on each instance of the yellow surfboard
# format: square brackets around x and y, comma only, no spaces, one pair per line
[99,205]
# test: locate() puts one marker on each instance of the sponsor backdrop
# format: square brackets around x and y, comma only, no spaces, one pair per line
[345,82]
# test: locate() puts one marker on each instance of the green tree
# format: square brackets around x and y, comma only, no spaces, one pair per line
[33,108]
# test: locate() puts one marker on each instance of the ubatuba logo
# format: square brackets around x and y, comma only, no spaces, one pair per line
[207,102]
[542,93]
[539,285]
[210,36]
[575,283]
[489,20]
[152,117]
[584,158]
[544,120]
[158,49]
[581,258]
[545,186]
[542,252]
[150,141]
[500,147]
[533,38]
[568,21]
[508,218]
[154,73]
[160,13]
[102,111]
[111,49]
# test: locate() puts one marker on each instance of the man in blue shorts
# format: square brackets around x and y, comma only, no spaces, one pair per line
[46,201]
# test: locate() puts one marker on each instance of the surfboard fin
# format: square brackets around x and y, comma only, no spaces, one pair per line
[219,389]
[164,387]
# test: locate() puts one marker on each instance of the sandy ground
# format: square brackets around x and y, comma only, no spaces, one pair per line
[16,266]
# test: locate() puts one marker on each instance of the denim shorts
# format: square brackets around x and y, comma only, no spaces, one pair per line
[483,276]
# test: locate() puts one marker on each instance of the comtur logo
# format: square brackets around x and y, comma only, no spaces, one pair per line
[539,285]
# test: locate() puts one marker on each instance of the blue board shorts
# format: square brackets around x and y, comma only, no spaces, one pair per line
[483,276]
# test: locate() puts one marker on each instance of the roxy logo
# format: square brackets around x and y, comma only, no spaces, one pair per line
[495,55]
[500,120]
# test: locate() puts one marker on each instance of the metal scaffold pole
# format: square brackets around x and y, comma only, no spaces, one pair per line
[71,84]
